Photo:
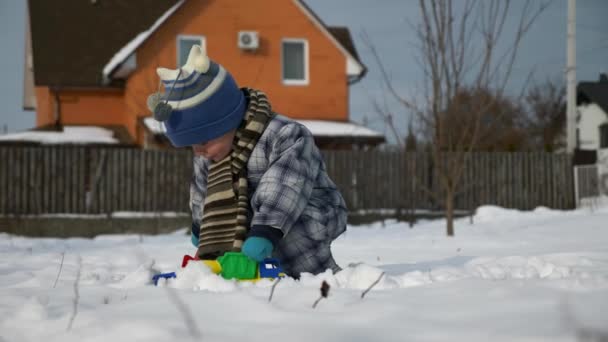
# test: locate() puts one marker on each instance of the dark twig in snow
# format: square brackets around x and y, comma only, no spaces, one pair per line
[76,294]
[372,285]
[185,311]
[324,293]
[272,289]
[60,268]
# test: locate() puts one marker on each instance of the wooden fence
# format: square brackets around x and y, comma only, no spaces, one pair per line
[73,179]
[400,180]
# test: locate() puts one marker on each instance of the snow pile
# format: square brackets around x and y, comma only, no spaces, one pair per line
[540,275]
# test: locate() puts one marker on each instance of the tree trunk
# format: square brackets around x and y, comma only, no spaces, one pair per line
[449,211]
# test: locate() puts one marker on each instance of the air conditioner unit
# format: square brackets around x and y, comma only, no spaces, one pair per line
[248,40]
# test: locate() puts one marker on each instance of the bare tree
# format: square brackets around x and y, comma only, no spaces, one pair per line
[546,118]
[462,49]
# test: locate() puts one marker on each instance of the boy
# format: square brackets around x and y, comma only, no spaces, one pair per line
[259,183]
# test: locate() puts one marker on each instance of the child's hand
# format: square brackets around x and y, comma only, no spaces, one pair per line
[194,233]
[257,248]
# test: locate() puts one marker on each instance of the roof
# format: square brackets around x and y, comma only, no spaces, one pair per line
[594,92]
[318,128]
[77,43]
[342,34]
[72,40]
[69,135]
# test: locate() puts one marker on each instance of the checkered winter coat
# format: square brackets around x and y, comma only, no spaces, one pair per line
[289,189]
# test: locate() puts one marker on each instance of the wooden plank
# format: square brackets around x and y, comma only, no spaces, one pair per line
[25,181]
[155,186]
[541,180]
[524,181]
[143,181]
[82,173]
[133,177]
[32,195]
[122,180]
[11,180]
[129,179]
[14,182]
[148,181]
[6,188]
[57,180]
[103,186]
[110,201]
[137,179]
[3,180]
[19,180]
[68,174]
[570,201]
[549,173]
[45,186]
[517,191]
[102,160]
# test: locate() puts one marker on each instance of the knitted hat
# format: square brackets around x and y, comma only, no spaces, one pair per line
[201,101]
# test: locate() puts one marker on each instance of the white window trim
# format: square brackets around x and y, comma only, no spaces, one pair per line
[306,79]
[188,36]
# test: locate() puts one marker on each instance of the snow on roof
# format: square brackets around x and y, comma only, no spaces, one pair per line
[70,135]
[321,128]
[318,128]
[128,49]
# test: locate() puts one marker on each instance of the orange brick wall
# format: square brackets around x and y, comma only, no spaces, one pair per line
[82,107]
[325,97]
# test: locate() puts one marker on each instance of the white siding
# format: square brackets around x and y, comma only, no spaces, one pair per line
[591,117]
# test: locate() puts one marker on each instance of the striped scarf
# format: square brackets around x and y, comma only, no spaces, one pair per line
[224,223]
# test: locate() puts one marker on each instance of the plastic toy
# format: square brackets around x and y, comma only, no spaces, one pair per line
[234,265]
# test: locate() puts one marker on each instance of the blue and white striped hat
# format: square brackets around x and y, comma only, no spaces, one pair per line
[205,101]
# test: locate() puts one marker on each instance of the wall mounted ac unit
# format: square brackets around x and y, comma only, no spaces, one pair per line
[248,40]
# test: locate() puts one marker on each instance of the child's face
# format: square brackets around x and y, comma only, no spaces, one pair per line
[216,149]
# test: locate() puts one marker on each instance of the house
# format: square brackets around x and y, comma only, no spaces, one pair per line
[592,119]
[92,62]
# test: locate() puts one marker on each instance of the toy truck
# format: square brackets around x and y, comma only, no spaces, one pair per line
[234,265]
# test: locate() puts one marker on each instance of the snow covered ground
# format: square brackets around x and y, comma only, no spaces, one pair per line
[510,276]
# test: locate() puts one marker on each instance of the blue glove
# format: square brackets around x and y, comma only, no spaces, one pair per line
[194,233]
[257,248]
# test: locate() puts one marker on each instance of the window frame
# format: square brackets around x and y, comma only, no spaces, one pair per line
[181,37]
[603,128]
[296,82]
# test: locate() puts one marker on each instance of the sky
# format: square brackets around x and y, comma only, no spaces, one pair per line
[387,23]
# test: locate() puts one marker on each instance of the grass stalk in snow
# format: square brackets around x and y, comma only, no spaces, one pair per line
[272,289]
[372,285]
[60,268]
[76,294]
[185,311]
[324,293]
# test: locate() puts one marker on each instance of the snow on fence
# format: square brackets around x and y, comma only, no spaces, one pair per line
[97,180]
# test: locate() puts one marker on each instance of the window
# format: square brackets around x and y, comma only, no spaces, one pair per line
[184,44]
[294,55]
[604,135]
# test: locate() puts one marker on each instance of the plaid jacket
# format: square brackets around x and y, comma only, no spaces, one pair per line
[290,190]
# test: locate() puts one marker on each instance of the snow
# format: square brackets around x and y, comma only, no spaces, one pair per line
[69,135]
[318,128]
[115,214]
[131,46]
[511,275]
